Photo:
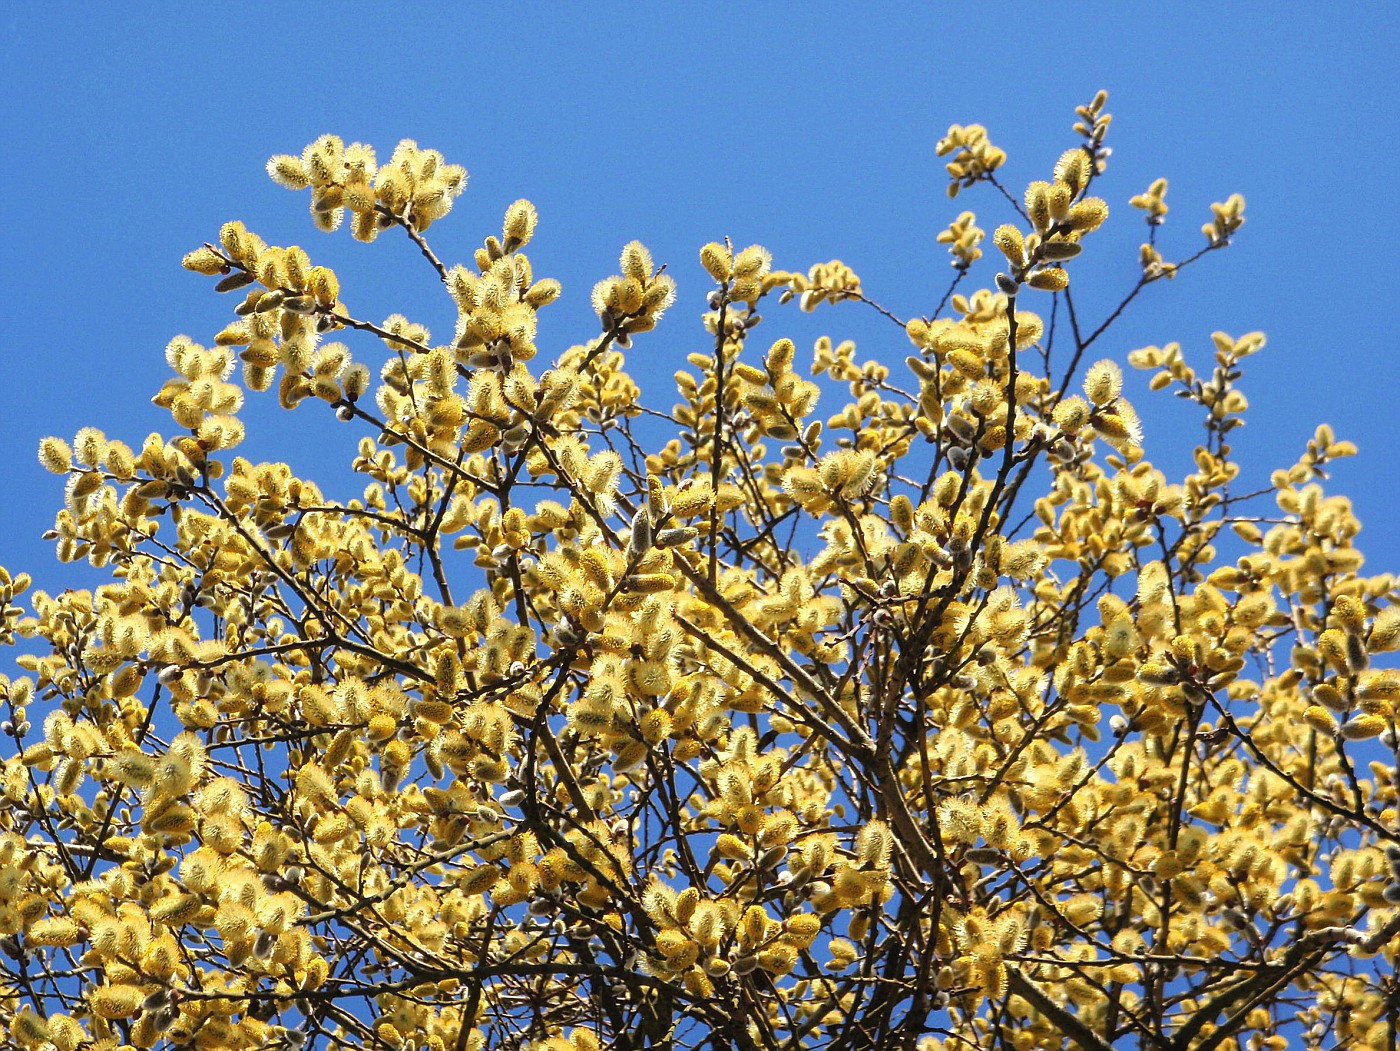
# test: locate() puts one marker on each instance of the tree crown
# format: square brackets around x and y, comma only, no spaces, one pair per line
[939,720]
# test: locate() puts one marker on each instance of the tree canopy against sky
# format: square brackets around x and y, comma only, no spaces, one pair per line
[839,703]
[811,135]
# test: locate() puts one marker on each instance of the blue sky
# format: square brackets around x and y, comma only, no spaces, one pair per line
[134,131]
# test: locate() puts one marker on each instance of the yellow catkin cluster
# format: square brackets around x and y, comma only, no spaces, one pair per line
[845,702]
[963,238]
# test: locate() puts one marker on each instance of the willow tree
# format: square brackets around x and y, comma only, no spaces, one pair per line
[937,718]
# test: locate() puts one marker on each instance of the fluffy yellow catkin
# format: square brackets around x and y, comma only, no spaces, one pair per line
[824,666]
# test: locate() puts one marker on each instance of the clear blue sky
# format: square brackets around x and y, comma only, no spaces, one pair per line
[132,131]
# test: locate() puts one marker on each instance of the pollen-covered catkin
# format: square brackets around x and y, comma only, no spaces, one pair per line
[826,698]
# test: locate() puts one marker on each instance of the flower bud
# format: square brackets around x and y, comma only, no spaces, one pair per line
[770,857]
[716,967]
[236,280]
[745,965]
[1058,251]
[641,532]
